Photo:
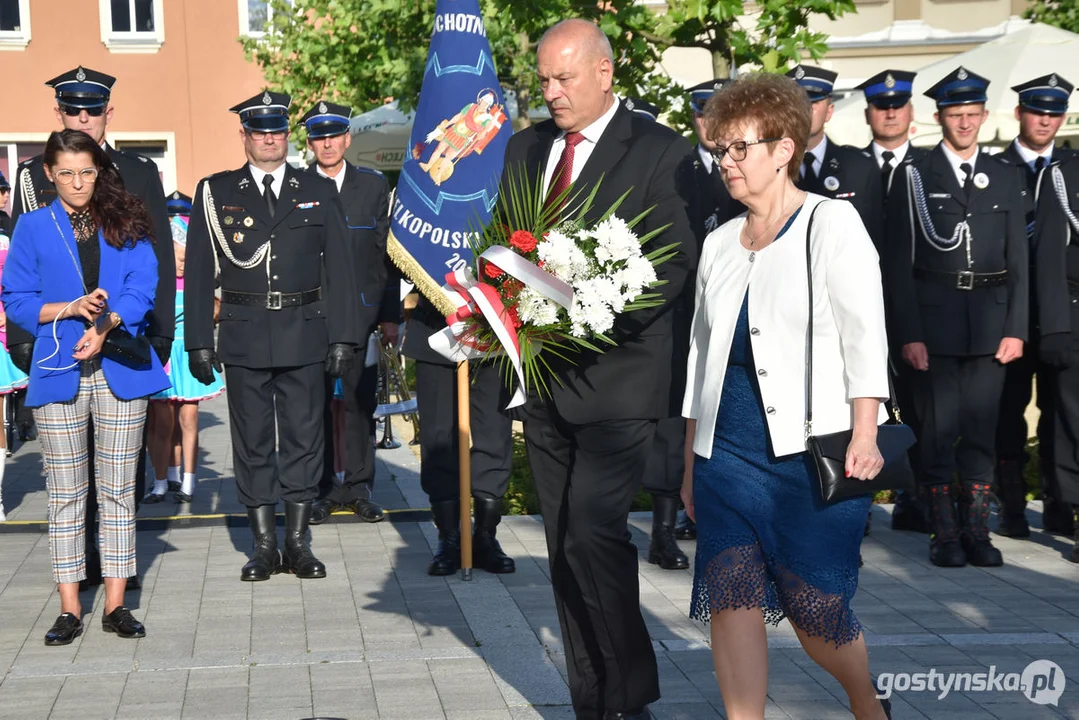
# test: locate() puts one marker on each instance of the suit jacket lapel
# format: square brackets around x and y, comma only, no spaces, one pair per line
[253,201]
[945,175]
[607,152]
[287,198]
[536,159]
[981,165]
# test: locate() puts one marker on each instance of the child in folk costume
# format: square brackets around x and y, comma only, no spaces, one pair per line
[11,378]
[174,412]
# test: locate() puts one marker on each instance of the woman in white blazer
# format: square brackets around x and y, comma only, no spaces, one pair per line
[767,547]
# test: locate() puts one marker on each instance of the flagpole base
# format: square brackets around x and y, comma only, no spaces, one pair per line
[466,574]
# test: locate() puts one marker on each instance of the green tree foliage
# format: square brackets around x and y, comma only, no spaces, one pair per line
[1063,14]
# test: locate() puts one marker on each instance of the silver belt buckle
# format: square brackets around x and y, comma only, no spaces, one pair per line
[273,300]
[964,280]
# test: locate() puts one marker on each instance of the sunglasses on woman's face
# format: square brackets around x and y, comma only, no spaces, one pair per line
[72,111]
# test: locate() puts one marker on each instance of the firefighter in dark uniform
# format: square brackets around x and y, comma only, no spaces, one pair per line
[1056,272]
[957,288]
[492,447]
[364,196]
[83,103]
[288,316]
[889,113]
[837,171]
[1043,102]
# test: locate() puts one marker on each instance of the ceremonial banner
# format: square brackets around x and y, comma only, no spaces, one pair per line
[449,182]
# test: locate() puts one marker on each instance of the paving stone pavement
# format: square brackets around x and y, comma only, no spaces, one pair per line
[378,638]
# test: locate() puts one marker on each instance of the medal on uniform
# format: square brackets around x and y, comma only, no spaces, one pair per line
[237,237]
[228,220]
[249,221]
[831,183]
[294,182]
[981,181]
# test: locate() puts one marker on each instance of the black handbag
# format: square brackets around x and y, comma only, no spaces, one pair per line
[130,350]
[829,452]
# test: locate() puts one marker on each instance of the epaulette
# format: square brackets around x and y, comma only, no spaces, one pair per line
[373,171]
[28,163]
[217,174]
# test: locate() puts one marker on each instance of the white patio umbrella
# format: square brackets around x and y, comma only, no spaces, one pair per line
[1009,60]
[380,137]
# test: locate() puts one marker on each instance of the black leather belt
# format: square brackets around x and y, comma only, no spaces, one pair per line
[963,279]
[271,300]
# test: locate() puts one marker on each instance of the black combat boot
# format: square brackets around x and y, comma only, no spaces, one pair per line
[266,560]
[664,550]
[298,558]
[486,551]
[447,559]
[944,547]
[686,528]
[1012,496]
[974,519]
[909,513]
[1058,517]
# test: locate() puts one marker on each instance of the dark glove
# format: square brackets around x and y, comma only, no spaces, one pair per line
[202,364]
[22,356]
[162,348]
[1057,350]
[339,360]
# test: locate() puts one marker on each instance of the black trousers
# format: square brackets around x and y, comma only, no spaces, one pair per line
[667,461]
[282,403]
[1012,431]
[586,478]
[492,431]
[957,402]
[1064,429]
[360,386]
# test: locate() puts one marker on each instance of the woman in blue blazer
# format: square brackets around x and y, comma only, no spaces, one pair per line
[77,271]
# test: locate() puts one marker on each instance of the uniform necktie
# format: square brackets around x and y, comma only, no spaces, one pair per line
[563,171]
[888,156]
[268,194]
[1039,163]
[809,173]
[968,176]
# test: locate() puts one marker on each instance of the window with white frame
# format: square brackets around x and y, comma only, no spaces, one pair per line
[255,15]
[14,24]
[132,25]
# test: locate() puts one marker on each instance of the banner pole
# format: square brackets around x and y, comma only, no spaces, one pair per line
[464,468]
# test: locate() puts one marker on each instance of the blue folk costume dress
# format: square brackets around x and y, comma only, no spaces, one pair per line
[764,538]
[11,377]
[185,388]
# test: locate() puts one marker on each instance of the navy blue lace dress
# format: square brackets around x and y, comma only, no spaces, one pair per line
[764,539]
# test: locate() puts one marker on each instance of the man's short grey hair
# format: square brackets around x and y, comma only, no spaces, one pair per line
[598,43]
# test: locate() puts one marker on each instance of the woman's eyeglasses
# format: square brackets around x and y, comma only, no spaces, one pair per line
[738,150]
[73,111]
[66,177]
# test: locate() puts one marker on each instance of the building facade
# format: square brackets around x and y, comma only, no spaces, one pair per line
[179,67]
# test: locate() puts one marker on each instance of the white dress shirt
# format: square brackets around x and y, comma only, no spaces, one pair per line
[818,157]
[278,179]
[707,159]
[339,178]
[955,161]
[850,347]
[584,149]
[1030,157]
[899,152]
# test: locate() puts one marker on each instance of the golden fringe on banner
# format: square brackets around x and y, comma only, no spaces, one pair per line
[427,285]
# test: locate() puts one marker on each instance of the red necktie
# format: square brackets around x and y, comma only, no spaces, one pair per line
[563,171]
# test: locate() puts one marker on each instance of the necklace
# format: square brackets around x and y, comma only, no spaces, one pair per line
[753,239]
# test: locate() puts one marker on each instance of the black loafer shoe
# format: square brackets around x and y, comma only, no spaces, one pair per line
[66,628]
[181,497]
[152,498]
[367,511]
[174,486]
[121,622]
[321,510]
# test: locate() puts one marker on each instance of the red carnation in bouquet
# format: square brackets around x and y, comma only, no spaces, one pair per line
[523,241]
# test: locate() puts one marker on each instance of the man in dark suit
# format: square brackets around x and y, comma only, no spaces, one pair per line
[289,314]
[957,289]
[364,198]
[837,171]
[889,114]
[588,442]
[1056,271]
[1043,102]
[83,102]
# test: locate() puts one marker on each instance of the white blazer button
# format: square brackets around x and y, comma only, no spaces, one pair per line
[770,410]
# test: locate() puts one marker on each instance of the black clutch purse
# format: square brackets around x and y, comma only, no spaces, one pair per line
[130,350]
[829,452]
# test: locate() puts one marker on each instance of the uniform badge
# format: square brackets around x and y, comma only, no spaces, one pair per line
[1053,80]
[228,220]
[962,74]
[322,107]
[238,237]
[629,104]
[244,182]
[249,221]
[831,183]
[833,163]
[80,75]
[266,99]
[307,205]
[799,74]
[711,223]
[889,81]
[981,181]
[294,182]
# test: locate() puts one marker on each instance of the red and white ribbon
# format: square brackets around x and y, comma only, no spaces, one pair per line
[472,296]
